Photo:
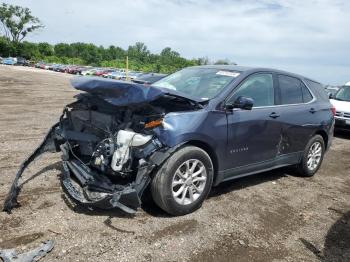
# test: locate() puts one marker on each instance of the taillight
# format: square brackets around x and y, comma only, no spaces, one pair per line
[333,110]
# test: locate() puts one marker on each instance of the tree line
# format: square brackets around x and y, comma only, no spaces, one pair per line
[17,22]
[140,58]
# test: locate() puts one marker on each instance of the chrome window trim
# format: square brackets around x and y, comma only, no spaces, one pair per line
[314,99]
[260,107]
[301,80]
[312,94]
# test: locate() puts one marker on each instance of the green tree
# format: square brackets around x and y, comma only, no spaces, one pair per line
[6,48]
[91,54]
[45,49]
[168,56]
[114,52]
[222,62]
[77,49]
[62,50]
[138,52]
[17,22]
[203,61]
[28,50]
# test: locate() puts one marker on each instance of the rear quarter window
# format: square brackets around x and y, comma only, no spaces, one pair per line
[307,97]
[318,89]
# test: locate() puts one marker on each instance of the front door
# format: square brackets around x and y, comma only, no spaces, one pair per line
[254,135]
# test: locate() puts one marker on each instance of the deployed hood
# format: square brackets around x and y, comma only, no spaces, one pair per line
[121,93]
[342,106]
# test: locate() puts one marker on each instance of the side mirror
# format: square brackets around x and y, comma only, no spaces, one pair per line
[330,96]
[242,102]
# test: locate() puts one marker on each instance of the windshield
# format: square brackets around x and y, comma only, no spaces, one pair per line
[343,94]
[203,83]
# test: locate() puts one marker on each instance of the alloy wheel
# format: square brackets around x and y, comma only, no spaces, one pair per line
[314,156]
[189,181]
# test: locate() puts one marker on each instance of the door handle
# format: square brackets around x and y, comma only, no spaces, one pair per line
[312,110]
[274,115]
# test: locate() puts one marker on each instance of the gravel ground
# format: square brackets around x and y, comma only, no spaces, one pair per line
[274,216]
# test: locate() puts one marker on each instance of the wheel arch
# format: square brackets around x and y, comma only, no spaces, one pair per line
[324,136]
[209,150]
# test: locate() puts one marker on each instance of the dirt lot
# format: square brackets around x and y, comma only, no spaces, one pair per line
[273,216]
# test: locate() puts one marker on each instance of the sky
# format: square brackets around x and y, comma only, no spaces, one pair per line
[310,37]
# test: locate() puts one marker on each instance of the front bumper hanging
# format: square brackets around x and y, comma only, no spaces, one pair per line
[89,189]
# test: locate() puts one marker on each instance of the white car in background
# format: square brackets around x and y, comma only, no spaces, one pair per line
[341,102]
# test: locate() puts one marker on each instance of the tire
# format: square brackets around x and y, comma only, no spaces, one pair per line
[308,170]
[175,174]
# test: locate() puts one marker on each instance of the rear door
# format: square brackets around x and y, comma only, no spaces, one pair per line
[253,135]
[298,114]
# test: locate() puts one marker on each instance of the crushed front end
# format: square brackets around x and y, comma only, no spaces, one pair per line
[108,144]
[107,153]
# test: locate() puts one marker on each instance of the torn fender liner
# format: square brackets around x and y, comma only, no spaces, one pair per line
[47,145]
[120,93]
[10,255]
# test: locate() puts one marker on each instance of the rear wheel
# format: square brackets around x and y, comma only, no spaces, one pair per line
[183,182]
[312,157]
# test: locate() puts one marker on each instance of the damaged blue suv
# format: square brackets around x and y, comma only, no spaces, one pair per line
[184,134]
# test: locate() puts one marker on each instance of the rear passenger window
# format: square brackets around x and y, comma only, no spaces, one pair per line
[290,89]
[307,97]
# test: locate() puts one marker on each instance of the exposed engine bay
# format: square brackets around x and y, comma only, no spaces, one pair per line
[108,150]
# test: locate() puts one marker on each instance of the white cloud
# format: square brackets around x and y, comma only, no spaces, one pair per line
[307,37]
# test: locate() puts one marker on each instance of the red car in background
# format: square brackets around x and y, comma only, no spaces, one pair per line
[100,72]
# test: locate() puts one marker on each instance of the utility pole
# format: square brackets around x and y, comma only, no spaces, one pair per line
[127,69]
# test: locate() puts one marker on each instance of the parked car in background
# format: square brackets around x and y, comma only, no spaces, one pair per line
[134,75]
[148,79]
[81,69]
[88,71]
[22,61]
[341,102]
[102,71]
[331,90]
[64,68]
[42,65]
[76,70]
[9,61]
[119,74]
[71,69]
[188,132]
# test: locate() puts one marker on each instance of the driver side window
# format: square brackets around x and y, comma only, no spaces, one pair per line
[259,87]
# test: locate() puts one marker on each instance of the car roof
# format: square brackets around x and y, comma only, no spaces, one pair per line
[248,69]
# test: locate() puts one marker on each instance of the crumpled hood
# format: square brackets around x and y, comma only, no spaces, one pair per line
[122,93]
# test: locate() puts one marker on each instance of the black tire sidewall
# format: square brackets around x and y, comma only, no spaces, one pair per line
[173,163]
[305,169]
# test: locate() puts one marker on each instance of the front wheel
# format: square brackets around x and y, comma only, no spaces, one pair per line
[312,157]
[183,181]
